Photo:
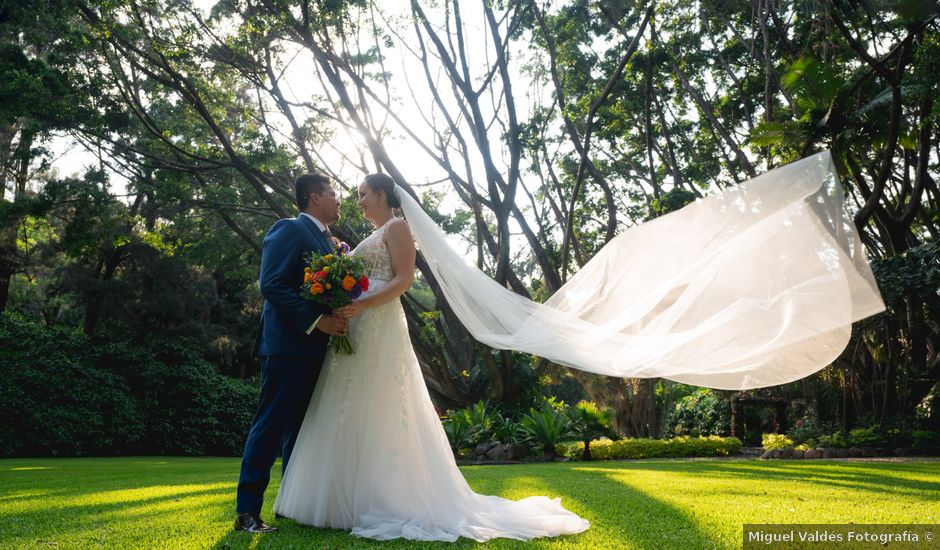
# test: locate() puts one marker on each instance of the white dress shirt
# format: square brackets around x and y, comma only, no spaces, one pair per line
[320,225]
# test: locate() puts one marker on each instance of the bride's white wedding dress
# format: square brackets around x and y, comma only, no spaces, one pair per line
[755,286]
[372,455]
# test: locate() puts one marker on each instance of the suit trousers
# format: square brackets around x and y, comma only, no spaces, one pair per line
[287,385]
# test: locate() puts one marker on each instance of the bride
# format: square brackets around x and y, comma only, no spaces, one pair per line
[372,455]
[755,286]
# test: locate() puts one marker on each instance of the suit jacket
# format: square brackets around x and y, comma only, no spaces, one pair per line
[286,316]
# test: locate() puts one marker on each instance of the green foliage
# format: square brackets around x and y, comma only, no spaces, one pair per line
[867,437]
[589,422]
[76,396]
[924,439]
[428,331]
[704,412]
[836,440]
[32,88]
[771,442]
[506,430]
[807,429]
[914,273]
[562,387]
[606,449]
[457,222]
[815,84]
[551,402]
[61,74]
[547,427]
[469,426]
[459,430]
[479,415]
[786,133]
[587,417]
[672,200]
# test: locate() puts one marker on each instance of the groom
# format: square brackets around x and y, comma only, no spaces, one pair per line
[292,341]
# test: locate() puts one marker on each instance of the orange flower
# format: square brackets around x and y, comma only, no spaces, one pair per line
[316,288]
[308,276]
[349,283]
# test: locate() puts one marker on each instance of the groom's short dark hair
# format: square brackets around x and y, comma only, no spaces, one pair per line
[307,184]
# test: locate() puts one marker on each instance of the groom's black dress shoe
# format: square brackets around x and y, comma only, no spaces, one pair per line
[253,524]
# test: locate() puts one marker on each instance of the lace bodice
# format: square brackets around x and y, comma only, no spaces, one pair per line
[375,255]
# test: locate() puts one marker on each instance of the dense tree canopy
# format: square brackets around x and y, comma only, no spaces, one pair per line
[534,131]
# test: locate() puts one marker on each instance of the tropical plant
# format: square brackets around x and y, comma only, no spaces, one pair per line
[506,430]
[459,430]
[547,427]
[481,420]
[588,422]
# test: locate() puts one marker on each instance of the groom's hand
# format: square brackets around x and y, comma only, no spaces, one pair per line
[333,325]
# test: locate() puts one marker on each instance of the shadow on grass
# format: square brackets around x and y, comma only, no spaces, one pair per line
[621,516]
[180,496]
[629,517]
[292,534]
[856,476]
[100,512]
[99,499]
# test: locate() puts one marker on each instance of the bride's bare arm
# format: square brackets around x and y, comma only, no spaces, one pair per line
[401,249]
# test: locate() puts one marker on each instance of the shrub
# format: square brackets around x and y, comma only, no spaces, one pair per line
[506,430]
[836,440]
[701,413]
[588,421]
[867,437]
[923,439]
[459,430]
[481,419]
[547,427]
[74,396]
[471,425]
[771,442]
[682,446]
[806,428]
[897,435]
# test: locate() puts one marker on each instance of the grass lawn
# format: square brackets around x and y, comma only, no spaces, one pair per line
[167,502]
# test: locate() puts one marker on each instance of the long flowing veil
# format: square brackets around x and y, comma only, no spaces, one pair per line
[756,286]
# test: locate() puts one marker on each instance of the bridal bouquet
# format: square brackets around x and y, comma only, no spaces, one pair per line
[335,280]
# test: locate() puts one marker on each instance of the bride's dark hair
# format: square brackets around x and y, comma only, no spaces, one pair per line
[383,183]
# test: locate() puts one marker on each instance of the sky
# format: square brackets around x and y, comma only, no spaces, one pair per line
[411,101]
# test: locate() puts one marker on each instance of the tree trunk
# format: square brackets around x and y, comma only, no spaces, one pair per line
[20,160]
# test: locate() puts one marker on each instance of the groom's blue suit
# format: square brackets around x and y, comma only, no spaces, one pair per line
[290,356]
